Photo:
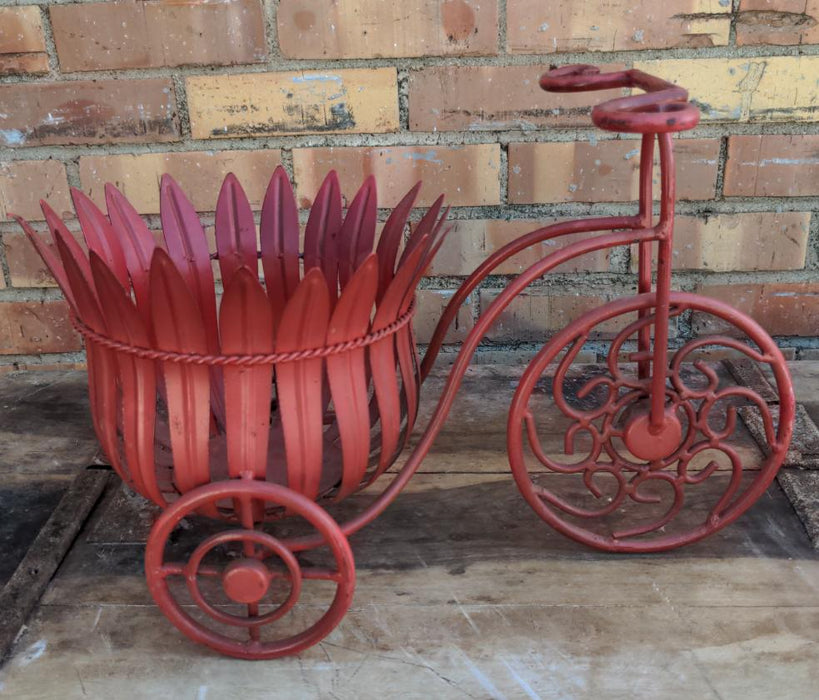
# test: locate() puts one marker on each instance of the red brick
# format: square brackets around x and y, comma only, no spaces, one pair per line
[604,172]
[730,242]
[200,174]
[22,44]
[780,308]
[375,28]
[472,241]
[23,183]
[780,22]
[29,327]
[489,98]
[534,317]
[468,175]
[103,35]
[772,166]
[431,304]
[534,26]
[77,112]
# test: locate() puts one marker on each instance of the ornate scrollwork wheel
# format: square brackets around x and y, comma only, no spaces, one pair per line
[618,482]
[261,564]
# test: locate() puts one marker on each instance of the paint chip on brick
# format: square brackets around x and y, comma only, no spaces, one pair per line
[299,102]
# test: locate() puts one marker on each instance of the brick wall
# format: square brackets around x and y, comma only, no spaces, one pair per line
[444,90]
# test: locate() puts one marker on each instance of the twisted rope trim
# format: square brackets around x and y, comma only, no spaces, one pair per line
[242,360]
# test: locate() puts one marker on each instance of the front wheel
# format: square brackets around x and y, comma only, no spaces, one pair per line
[618,483]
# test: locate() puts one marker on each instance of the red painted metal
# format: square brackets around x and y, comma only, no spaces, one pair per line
[264,409]
[305,390]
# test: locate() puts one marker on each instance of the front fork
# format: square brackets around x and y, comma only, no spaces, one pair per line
[651,365]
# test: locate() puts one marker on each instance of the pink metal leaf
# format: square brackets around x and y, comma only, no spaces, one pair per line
[99,235]
[59,231]
[188,248]
[49,255]
[299,383]
[178,327]
[321,235]
[136,379]
[390,239]
[347,376]
[279,234]
[358,231]
[424,227]
[383,361]
[137,242]
[235,230]
[102,373]
[246,325]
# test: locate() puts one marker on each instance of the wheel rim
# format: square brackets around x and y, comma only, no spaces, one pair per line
[630,478]
[245,581]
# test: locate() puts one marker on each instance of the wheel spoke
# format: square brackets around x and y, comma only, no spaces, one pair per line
[315,573]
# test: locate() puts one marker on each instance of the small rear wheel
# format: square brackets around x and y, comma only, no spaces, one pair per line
[244,588]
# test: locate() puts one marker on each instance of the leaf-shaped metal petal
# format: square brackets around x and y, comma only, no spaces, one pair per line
[49,256]
[99,235]
[137,243]
[358,231]
[137,380]
[279,234]
[235,230]
[390,239]
[246,325]
[347,376]
[102,372]
[383,358]
[59,231]
[178,327]
[188,248]
[424,227]
[321,235]
[299,383]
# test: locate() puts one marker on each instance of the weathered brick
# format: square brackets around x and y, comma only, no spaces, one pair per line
[22,44]
[430,307]
[199,173]
[374,28]
[607,171]
[468,175]
[533,317]
[728,242]
[28,327]
[779,22]
[296,102]
[781,308]
[773,88]
[489,98]
[534,26]
[77,112]
[23,183]
[103,35]
[772,166]
[471,241]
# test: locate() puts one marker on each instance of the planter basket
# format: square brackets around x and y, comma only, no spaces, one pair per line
[281,395]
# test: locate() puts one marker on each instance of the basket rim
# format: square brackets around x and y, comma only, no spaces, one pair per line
[246,360]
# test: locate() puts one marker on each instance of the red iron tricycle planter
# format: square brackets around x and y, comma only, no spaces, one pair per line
[305,390]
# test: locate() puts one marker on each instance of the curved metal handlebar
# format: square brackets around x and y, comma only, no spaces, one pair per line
[664,107]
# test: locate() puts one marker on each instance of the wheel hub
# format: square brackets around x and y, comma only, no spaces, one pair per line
[649,443]
[246,580]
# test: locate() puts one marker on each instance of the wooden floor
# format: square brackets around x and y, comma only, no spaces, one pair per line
[462,591]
